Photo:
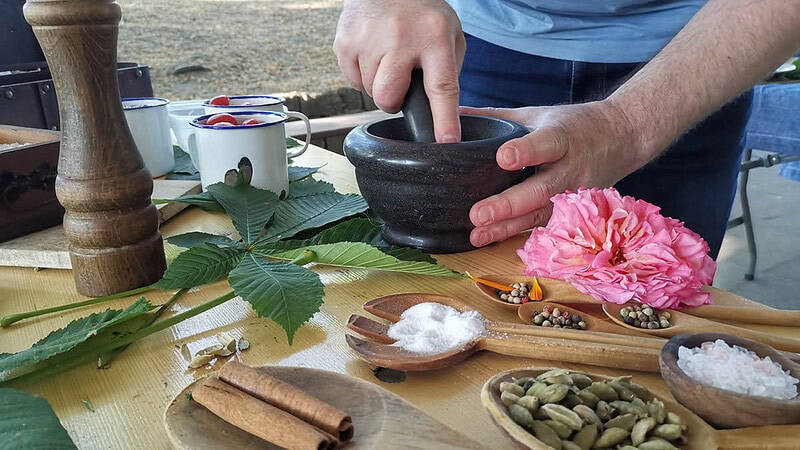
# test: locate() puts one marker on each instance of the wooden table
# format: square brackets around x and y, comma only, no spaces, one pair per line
[130,397]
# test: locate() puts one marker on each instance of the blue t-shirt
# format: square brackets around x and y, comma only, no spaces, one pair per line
[616,31]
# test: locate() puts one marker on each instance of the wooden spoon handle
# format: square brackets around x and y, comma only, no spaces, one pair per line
[778,317]
[777,342]
[578,352]
[773,437]
[514,331]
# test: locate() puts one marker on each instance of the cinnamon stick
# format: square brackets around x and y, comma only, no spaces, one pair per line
[289,398]
[259,418]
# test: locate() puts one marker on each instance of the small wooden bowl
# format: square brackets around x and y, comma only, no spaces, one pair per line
[723,408]
[697,434]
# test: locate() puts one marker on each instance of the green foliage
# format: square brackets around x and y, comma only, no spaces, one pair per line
[201,264]
[285,293]
[28,422]
[62,340]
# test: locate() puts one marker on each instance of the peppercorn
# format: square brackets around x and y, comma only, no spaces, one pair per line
[645,317]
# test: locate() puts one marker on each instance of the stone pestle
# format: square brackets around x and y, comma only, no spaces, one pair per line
[417,110]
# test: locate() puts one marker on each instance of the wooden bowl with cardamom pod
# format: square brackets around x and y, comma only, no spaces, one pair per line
[694,432]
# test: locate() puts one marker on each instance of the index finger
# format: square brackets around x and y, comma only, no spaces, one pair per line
[440,76]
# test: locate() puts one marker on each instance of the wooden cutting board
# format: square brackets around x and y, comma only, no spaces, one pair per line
[381,419]
[49,248]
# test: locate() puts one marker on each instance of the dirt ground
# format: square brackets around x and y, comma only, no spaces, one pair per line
[202,48]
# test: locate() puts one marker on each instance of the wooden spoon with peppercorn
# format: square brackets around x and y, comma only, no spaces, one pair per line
[512,339]
[559,316]
[679,323]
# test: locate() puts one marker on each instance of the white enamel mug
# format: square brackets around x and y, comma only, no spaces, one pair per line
[261,103]
[149,124]
[256,151]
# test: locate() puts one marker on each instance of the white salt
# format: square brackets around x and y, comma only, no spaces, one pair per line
[429,328]
[737,369]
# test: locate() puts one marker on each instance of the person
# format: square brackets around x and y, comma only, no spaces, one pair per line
[608,90]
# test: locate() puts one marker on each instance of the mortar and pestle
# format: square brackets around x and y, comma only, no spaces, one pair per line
[421,189]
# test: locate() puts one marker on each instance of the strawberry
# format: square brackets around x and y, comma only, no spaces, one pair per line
[220,100]
[251,122]
[223,117]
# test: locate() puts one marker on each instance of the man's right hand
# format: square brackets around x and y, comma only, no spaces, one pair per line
[379,42]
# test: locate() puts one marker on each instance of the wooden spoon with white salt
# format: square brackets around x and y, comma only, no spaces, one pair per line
[568,346]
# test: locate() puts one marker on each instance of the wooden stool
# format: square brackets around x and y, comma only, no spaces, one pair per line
[110,222]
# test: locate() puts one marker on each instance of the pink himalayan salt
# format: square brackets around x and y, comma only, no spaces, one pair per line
[736,369]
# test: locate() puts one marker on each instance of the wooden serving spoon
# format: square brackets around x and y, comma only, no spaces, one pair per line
[563,292]
[684,323]
[724,408]
[778,317]
[503,338]
[699,434]
[528,310]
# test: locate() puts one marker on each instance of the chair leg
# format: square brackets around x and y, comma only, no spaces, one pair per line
[746,218]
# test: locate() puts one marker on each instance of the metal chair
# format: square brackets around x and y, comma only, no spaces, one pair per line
[774,127]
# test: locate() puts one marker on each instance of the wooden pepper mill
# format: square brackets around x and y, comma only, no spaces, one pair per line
[110,222]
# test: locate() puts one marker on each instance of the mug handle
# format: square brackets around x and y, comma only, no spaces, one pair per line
[302,117]
[191,143]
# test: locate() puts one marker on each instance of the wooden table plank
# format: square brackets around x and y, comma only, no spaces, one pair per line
[130,397]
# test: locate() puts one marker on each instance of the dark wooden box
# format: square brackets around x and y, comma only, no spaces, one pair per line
[27,181]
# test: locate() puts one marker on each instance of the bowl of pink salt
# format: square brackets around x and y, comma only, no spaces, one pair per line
[731,382]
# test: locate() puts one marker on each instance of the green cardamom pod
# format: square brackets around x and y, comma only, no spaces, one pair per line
[604,410]
[520,416]
[522,381]
[656,444]
[550,373]
[513,388]
[604,391]
[508,398]
[546,434]
[529,402]
[655,409]
[673,418]
[564,415]
[624,421]
[611,437]
[580,380]
[589,398]
[586,436]
[668,431]
[561,378]
[561,430]
[640,430]
[622,390]
[569,445]
[588,415]
[629,408]
[536,389]
[571,400]
[553,393]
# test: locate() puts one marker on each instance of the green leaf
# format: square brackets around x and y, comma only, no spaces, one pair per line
[298,173]
[28,422]
[204,200]
[364,256]
[309,186]
[194,238]
[184,168]
[294,215]
[250,208]
[66,338]
[354,230]
[286,293]
[201,264]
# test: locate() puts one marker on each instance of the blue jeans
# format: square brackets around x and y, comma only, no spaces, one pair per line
[694,180]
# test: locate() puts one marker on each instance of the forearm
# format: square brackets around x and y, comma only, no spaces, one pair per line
[727,47]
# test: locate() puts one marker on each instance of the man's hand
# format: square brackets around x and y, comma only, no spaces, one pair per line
[379,42]
[590,144]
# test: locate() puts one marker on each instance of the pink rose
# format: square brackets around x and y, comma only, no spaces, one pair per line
[619,249]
